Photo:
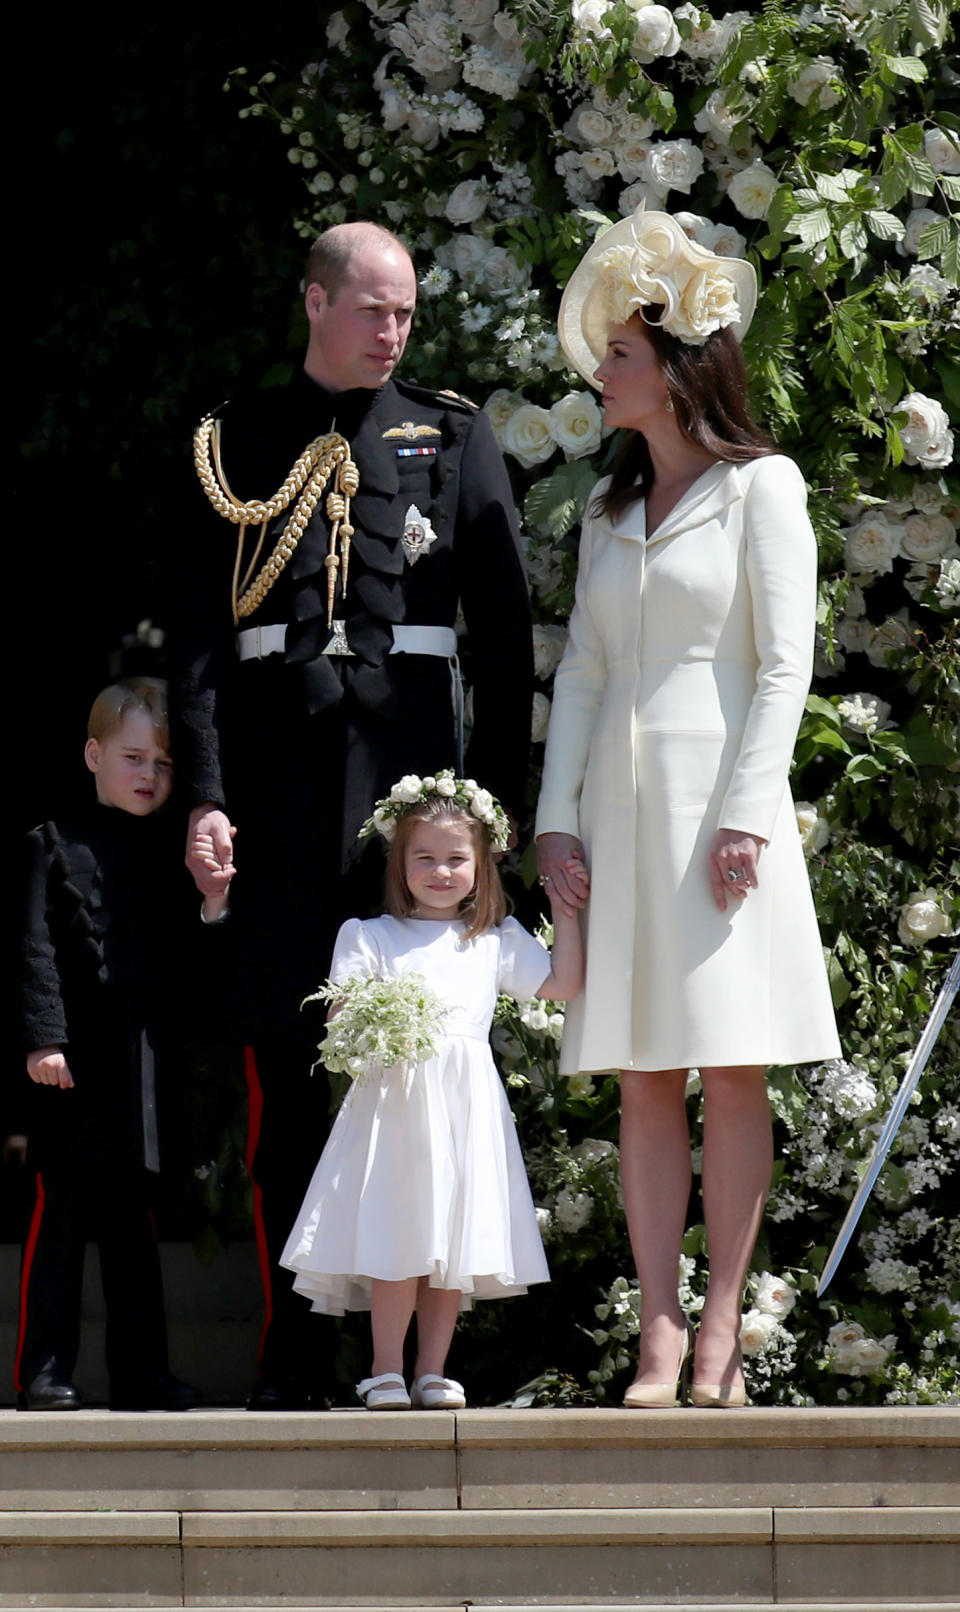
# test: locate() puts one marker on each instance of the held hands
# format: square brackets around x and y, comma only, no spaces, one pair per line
[733,864]
[47,1066]
[210,850]
[563,872]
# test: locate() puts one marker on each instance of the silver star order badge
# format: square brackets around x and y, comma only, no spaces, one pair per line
[418,534]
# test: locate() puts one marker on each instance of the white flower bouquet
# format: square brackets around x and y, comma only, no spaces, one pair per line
[379,1024]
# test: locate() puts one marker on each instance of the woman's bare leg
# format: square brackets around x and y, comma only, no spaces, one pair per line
[737,1163]
[655,1177]
[391,1309]
[437,1311]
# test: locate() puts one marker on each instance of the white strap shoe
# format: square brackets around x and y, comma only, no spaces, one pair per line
[386,1392]
[437,1393]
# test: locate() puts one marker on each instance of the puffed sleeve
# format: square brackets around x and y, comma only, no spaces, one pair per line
[781,567]
[577,692]
[524,963]
[42,1014]
[355,953]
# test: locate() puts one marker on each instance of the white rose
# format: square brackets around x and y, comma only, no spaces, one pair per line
[718,119]
[854,636]
[590,125]
[435,64]
[867,1356]
[597,164]
[408,789]
[752,190]
[498,409]
[757,1331]
[673,165]
[384,824]
[947,586]
[474,13]
[527,435]
[922,919]
[631,154]
[656,34]
[917,222]
[774,1296]
[709,302]
[636,193]
[576,423]
[722,239]
[873,544]
[549,643]
[467,202]
[631,126]
[539,718]
[942,151]
[588,17]
[534,1015]
[897,632]
[926,437]
[814,829]
[580,1086]
[815,80]
[482,805]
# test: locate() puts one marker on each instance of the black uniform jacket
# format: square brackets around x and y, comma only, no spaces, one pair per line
[99,955]
[297,746]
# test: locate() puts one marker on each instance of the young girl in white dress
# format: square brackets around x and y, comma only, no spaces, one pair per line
[420,1201]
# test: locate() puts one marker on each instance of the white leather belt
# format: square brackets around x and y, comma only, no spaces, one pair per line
[253,643]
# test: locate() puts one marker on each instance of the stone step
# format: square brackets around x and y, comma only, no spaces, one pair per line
[664,1557]
[480,1460]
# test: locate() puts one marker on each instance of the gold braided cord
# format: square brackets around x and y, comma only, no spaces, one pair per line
[326,455]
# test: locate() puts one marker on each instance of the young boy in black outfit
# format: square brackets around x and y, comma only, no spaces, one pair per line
[97,959]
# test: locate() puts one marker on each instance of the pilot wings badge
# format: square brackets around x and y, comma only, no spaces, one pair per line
[418,534]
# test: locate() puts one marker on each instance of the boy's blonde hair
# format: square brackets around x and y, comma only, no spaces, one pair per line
[486,905]
[114,703]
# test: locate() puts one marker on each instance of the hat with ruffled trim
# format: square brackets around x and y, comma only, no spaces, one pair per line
[644,262]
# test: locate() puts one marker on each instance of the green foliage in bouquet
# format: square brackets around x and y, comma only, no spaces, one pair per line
[379,1024]
[496,137]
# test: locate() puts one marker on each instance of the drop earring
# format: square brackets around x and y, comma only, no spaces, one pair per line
[670,408]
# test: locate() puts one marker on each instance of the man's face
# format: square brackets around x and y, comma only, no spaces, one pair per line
[359,337]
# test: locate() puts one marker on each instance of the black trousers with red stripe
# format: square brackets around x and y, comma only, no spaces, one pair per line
[289,1123]
[74,1207]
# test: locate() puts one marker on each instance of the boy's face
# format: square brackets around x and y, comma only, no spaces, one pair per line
[133,770]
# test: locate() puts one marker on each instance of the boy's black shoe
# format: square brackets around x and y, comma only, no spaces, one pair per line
[286,1393]
[49,1391]
[160,1393]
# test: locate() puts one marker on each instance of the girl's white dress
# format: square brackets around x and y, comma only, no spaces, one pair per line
[423,1174]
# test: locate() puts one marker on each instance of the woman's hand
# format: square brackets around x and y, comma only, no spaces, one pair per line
[563,871]
[733,864]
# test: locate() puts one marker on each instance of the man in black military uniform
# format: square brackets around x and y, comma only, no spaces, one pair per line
[354,513]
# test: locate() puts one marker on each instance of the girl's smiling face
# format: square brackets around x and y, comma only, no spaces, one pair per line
[633,385]
[440,867]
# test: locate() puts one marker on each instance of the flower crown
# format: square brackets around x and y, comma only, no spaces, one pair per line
[463,792]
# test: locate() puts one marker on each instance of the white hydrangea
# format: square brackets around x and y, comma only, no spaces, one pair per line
[892,1276]
[848,1089]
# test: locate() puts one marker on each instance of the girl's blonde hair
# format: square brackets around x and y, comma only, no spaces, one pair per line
[486,905]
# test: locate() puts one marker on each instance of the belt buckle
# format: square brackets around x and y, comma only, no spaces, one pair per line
[258,631]
[338,644]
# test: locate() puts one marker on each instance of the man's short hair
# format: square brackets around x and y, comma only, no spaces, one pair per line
[329,257]
[114,703]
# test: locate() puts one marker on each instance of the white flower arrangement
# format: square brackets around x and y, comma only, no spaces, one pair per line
[411,790]
[379,1024]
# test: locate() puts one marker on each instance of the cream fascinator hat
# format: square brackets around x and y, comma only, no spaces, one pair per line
[648,260]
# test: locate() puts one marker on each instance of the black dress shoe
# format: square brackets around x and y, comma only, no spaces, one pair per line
[160,1393]
[279,1394]
[49,1391]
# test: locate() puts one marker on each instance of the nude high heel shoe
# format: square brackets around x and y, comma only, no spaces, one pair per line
[663,1396]
[719,1396]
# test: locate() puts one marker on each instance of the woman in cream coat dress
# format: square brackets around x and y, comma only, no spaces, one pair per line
[675,713]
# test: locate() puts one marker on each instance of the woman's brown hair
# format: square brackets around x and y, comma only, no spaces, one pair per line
[708,389]
[486,905]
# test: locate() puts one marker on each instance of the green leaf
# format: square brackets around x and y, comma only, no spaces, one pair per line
[556,503]
[852,238]
[950,185]
[830,188]
[927,23]
[821,707]
[934,239]
[840,986]
[950,262]
[812,227]
[906,67]
[949,372]
[865,767]
[885,225]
